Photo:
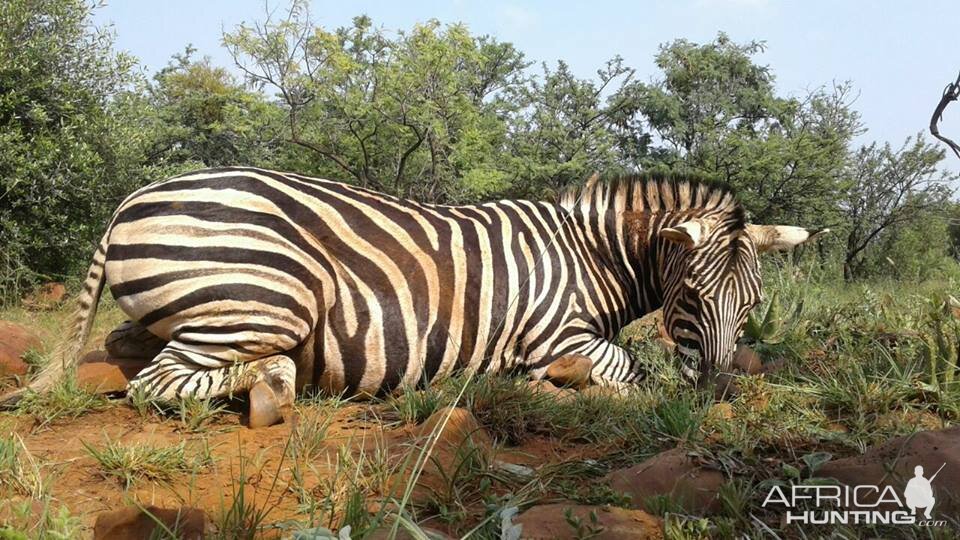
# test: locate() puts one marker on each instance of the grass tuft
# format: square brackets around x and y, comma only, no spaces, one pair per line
[141,461]
[65,401]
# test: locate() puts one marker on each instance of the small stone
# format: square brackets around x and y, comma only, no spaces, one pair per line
[549,521]
[521,471]
[837,427]
[132,523]
[720,411]
[572,370]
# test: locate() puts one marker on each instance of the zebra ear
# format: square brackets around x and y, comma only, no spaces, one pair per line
[689,233]
[778,237]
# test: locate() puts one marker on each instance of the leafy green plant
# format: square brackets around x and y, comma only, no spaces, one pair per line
[770,327]
[941,343]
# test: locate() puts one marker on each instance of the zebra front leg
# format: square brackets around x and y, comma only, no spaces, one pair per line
[209,371]
[612,366]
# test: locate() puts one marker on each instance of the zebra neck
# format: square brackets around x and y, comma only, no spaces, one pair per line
[626,260]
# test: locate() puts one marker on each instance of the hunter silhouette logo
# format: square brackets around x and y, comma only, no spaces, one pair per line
[919,492]
[821,504]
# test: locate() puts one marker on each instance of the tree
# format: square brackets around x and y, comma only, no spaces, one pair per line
[57,147]
[888,191]
[419,115]
[565,128]
[715,112]
[200,113]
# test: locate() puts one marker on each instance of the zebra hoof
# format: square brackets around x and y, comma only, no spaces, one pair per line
[265,408]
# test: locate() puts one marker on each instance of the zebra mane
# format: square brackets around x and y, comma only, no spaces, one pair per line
[652,192]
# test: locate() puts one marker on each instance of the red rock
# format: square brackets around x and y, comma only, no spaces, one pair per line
[605,390]
[673,474]
[132,523]
[47,296]
[892,464]
[15,340]
[462,428]
[543,386]
[549,521]
[461,438]
[571,370]
[98,372]
[747,360]
[383,532]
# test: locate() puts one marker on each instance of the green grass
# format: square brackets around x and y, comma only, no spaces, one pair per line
[132,463]
[66,400]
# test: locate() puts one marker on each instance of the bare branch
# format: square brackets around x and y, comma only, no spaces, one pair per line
[950,93]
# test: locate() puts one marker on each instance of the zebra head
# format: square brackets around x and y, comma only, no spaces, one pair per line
[712,281]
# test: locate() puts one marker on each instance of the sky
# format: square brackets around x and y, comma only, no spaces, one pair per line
[899,55]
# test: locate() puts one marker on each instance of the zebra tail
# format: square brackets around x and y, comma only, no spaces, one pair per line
[67,354]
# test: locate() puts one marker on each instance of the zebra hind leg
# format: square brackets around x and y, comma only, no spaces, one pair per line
[133,340]
[208,371]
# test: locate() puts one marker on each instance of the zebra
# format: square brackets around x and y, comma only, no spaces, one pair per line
[244,279]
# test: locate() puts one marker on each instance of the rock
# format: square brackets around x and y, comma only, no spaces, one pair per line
[601,390]
[549,521]
[747,360]
[461,429]
[520,471]
[892,464]
[725,385]
[719,412]
[837,427]
[544,386]
[99,372]
[47,296]
[15,341]
[571,370]
[673,474]
[383,533]
[461,439]
[132,523]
